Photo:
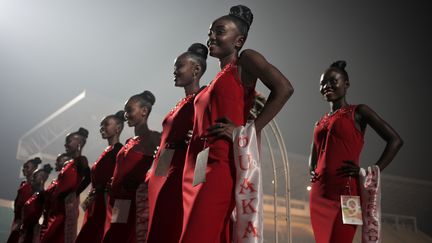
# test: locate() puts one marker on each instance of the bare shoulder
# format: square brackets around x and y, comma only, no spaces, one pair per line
[364,110]
[250,56]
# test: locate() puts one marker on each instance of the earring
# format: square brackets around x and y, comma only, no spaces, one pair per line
[79,147]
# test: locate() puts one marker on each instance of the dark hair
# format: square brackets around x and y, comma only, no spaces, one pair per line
[118,117]
[35,161]
[242,17]
[81,132]
[198,52]
[146,99]
[47,168]
[339,66]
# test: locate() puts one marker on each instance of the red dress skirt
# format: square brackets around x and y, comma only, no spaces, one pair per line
[336,139]
[131,167]
[208,206]
[25,191]
[165,192]
[67,182]
[95,214]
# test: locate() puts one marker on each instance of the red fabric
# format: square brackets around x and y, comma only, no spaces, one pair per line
[25,191]
[67,182]
[208,206]
[101,173]
[32,211]
[336,139]
[130,170]
[165,193]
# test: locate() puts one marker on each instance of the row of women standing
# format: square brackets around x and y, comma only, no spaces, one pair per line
[178,210]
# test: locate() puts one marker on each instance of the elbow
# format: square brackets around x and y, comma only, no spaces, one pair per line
[399,143]
[286,91]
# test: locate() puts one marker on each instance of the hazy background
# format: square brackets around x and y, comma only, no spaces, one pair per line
[50,51]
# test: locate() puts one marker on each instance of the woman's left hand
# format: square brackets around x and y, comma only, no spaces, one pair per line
[224,127]
[348,169]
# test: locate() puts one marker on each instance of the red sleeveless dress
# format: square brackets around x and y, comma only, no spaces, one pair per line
[31,212]
[336,139]
[165,192]
[130,170]
[25,191]
[101,173]
[67,182]
[208,206]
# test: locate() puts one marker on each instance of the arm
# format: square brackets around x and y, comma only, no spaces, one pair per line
[312,159]
[254,66]
[85,181]
[367,116]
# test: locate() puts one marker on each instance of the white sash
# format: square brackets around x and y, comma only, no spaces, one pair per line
[248,186]
[142,213]
[71,217]
[370,187]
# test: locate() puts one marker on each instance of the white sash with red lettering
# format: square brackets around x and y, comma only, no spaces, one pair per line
[370,187]
[248,186]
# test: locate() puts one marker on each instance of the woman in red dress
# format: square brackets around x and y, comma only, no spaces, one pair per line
[32,209]
[24,193]
[165,178]
[62,201]
[334,160]
[95,205]
[132,164]
[219,108]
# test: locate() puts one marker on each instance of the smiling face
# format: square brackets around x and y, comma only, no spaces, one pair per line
[184,69]
[135,113]
[224,38]
[73,143]
[333,85]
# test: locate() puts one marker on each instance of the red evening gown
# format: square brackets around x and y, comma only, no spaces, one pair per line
[336,139]
[68,181]
[131,167]
[208,206]
[32,211]
[25,191]
[165,192]
[101,173]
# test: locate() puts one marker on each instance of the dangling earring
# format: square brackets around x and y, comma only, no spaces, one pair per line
[79,147]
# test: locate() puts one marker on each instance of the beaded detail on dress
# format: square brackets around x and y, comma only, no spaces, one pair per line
[343,111]
[181,103]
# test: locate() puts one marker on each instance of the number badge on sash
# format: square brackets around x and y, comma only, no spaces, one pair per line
[120,211]
[200,167]
[164,162]
[351,210]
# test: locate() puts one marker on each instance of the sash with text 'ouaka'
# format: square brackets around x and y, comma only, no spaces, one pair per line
[248,186]
[370,187]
